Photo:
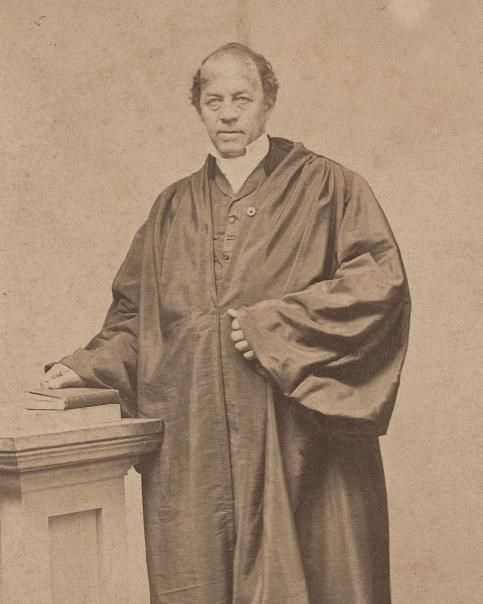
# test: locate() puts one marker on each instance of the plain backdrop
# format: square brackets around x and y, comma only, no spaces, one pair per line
[96,121]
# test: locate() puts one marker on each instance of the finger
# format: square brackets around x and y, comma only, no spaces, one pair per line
[242,346]
[249,355]
[235,324]
[58,382]
[237,336]
[233,313]
[54,371]
[70,378]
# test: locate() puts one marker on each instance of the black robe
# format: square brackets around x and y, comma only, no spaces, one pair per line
[268,487]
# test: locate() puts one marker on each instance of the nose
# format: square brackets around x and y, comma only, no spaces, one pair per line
[228,113]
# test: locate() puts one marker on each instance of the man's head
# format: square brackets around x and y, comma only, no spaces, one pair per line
[234,92]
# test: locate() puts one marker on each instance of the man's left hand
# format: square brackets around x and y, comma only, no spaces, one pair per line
[238,337]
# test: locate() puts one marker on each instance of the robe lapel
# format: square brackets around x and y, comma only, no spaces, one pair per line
[276,202]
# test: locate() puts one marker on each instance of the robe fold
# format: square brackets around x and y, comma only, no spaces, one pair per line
[268,487]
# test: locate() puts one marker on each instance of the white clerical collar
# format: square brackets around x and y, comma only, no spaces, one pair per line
[237,169]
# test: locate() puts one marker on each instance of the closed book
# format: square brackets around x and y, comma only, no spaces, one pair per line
[81,416]
[70,398]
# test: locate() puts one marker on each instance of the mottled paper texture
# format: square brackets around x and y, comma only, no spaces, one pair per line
[96,121]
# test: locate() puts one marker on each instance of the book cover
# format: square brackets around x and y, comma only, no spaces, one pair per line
[70,398]
[81,416]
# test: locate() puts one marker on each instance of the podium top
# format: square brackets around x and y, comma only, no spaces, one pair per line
[19,432]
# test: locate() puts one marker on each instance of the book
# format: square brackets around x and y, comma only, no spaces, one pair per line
[82,416]
[70,398]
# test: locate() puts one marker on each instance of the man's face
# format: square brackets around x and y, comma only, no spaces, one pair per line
[232,104]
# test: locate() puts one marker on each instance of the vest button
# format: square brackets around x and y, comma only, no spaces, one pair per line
[251,211]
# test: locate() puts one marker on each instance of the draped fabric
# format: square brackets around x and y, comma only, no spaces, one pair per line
[268,487]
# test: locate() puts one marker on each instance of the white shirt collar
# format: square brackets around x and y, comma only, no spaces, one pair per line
[237,169]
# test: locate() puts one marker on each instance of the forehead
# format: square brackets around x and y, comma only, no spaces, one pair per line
[228,71]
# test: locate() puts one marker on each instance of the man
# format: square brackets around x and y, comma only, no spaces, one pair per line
[262,312]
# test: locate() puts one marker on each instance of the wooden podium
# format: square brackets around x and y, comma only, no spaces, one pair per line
[62,508]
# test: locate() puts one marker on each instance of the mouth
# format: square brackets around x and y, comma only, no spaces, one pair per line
[229,132]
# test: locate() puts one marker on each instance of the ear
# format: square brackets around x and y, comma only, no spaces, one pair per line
[268,110]
[198,111]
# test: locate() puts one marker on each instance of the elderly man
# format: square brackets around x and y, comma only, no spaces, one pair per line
[262,312]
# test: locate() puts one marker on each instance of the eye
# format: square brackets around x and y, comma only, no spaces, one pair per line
[243,100]
[213,104]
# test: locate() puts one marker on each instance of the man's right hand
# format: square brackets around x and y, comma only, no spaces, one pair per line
[60,376]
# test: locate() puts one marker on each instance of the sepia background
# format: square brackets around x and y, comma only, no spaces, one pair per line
[96,122]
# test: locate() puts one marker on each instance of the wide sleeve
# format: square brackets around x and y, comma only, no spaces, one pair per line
[338,346]
[110,359]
